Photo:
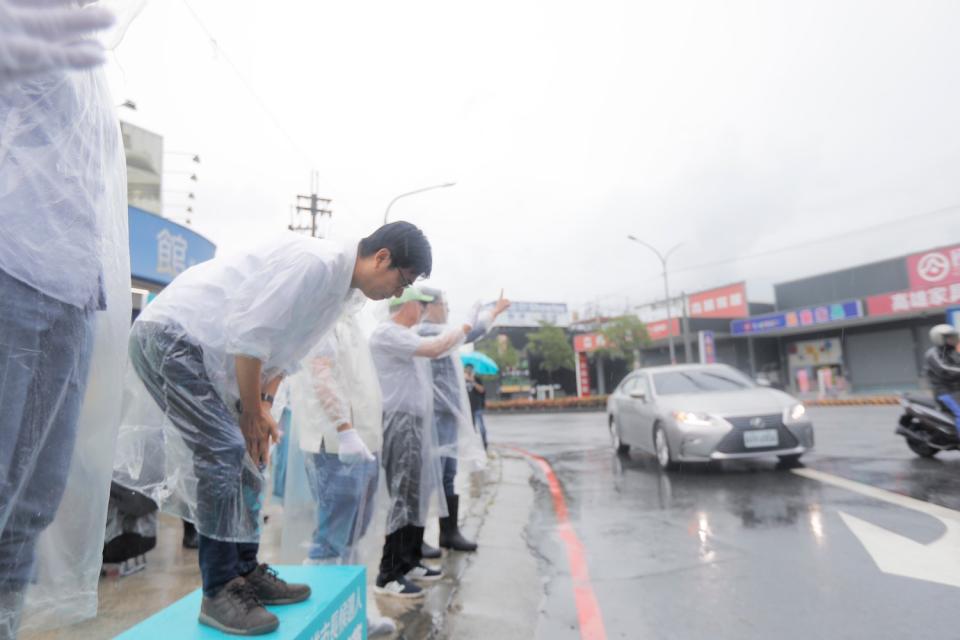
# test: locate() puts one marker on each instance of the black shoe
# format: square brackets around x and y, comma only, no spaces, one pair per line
[450,536]
[271,589]
[429,552]
[397,588]
[237,610]
[423,573]
[190,538]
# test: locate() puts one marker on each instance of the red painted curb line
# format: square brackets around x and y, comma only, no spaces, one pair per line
[588,609]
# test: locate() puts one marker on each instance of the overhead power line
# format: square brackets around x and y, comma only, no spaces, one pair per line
[816,241]
[760,254]
[249,87]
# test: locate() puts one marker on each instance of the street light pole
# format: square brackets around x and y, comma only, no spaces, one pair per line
[666,290]
[410,193]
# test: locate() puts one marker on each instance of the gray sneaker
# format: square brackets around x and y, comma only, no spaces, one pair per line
[236,609]
[271,589]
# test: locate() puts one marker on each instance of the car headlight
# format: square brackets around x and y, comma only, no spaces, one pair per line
[692,418]
[796,413]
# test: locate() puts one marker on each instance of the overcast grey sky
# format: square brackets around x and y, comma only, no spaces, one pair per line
[735,127]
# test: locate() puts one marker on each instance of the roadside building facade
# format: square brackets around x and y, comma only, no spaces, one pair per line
[160,249]
[861,330]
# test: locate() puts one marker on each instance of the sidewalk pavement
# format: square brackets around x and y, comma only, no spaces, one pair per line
[493,593]
[499,595]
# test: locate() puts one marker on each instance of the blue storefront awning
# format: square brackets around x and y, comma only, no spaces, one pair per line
[815,316]
[161,249]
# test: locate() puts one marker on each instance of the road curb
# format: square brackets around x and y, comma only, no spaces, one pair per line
[853,402]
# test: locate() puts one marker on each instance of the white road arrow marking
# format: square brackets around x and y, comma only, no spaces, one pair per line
[938,561]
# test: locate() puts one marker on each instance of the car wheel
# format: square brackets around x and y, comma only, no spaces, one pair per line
[618,445]
[921,449]
[662,447]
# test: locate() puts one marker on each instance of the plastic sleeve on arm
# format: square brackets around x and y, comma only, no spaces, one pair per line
[442,344]
[324,374]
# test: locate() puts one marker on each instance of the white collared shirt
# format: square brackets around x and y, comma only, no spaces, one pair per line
[62,185]
[273,303]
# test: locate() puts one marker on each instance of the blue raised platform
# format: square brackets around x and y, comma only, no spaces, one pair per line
[336,610]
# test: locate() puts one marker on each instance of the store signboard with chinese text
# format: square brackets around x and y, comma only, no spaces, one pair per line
[722,302]
[935,297]
[583,375]
[589,342]
[934,278]
[658,330]
[937,268]
[161,249]
[532,314]
[805,317]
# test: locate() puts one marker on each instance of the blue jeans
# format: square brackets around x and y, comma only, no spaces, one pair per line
[480,426]
[221,562]
[171,368]
[344,494]
[45,349]
[446,424]
[952,402]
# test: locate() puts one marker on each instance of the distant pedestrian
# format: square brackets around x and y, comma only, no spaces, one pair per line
[478,401]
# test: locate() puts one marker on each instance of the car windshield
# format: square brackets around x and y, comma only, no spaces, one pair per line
[699,381]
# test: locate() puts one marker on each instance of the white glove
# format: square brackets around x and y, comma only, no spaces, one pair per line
[352,448]
[37,36]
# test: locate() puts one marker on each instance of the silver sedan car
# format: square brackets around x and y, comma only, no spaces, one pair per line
[700,413]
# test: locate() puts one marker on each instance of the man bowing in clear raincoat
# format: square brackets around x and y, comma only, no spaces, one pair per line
[209,354]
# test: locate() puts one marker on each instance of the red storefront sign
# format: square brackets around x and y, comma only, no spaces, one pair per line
[583,375]
[722,302]
[589,342]
[658,330]
[934,278]
[914,300]
[935,268]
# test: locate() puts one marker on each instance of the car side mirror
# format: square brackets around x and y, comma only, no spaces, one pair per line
[639,395]
[763,382]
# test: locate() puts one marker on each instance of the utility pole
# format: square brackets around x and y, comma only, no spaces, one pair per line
[666,291]
[315,206]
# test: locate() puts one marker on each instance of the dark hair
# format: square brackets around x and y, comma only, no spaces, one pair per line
[408,247]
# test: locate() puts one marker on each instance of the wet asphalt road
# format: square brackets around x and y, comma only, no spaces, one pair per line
[749,549]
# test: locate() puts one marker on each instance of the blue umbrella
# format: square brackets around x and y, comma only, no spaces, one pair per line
[483,365]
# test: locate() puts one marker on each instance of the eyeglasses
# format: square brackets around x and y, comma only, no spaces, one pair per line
[403,279]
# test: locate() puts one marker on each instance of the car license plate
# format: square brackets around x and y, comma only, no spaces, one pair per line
[761,438]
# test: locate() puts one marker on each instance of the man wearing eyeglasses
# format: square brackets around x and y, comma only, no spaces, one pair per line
[210,352]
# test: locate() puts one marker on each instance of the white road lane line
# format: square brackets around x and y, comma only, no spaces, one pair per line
[934,510]
[938,561]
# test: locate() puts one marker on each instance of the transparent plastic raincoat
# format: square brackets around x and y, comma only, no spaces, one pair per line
[65,294]
[180,442]
[453,420]
[411,451]
[334,508]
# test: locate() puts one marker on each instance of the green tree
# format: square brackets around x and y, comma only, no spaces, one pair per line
[625,337]
[503,353]
[550,344]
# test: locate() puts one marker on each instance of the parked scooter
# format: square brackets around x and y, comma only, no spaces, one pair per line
[927,428]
